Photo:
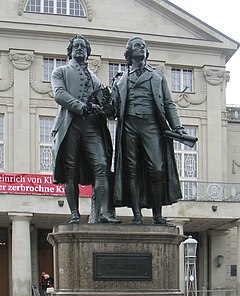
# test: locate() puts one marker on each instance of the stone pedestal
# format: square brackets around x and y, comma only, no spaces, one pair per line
[105,259]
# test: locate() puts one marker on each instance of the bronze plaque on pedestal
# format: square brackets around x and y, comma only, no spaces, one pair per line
[122,267]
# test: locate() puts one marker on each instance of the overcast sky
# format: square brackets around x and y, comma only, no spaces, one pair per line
[225,17]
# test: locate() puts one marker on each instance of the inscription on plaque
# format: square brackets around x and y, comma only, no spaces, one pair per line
[125,267]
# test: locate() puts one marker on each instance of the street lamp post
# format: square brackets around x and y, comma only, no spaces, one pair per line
[190,249]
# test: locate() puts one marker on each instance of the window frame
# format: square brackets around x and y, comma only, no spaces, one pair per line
[41,5]
[44,143]
[119,67]
[181,80]
[47,78]
[183,150]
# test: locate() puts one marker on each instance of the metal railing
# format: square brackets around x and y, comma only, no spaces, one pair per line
[210,191]
[217,292]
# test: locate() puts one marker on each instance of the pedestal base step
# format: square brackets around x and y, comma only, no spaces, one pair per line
[118,293]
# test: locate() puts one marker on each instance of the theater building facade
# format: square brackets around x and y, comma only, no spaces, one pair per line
[34,35]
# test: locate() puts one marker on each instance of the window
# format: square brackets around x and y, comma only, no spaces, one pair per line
[2,156]
[113,69]
[46,160]
[182,80]
[62,7]
[187,164]
[49,64]
[233,270]
[48,6]
[33,6]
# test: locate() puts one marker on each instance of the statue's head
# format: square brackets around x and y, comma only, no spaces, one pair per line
[71,42]
[129,48]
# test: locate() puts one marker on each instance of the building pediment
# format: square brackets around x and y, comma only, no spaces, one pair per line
[171,21]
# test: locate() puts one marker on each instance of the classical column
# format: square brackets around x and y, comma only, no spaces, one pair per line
[21,254]
[216,78]
[21,60]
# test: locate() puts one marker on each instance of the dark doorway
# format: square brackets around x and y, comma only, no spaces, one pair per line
[4,268]
[45,254]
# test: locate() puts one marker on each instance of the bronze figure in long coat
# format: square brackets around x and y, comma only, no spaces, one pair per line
[67,81]
[140,98]
[82,147]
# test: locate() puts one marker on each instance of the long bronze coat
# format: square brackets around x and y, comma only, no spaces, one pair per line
[68,86]
[167,117]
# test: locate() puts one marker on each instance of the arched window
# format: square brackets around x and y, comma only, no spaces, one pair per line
[62,7]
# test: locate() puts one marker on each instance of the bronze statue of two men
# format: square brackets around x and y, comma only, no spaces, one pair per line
[145,174]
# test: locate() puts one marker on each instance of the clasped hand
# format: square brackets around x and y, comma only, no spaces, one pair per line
[180,130]
[91,108]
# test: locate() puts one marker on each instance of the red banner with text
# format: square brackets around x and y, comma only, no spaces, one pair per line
[35,184]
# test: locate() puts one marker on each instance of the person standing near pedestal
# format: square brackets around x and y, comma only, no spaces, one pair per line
[145,169]
[47,282]
[82,147]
